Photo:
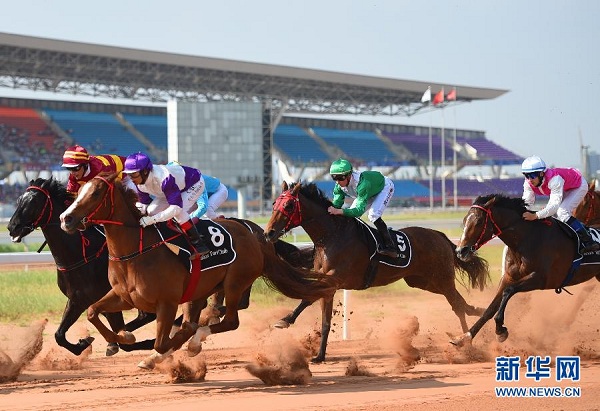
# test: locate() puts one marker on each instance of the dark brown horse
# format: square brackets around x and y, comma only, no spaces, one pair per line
[341,251]
[540,253]
[81,261]
[145,274]
[588,211]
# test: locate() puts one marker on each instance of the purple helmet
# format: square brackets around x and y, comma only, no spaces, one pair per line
[137,162]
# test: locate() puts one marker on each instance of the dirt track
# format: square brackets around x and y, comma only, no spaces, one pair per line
[378,358]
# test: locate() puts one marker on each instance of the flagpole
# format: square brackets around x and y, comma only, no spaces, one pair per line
[430,165]
[455,168]
[443,162]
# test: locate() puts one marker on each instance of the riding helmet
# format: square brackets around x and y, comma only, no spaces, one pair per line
[340,166]
[533,164]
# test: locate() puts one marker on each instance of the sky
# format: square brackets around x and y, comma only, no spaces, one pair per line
[544,52]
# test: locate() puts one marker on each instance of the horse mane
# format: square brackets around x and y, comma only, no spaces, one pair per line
[314,193]
[513,203]
[57,190]
[130,197]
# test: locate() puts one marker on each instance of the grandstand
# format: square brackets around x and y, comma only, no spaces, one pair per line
[302,143]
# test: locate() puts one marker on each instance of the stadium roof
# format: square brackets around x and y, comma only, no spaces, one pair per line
[75,68]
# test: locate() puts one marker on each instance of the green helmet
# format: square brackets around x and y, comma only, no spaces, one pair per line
[340,166]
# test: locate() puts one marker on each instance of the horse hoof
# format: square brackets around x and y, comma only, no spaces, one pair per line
[460,341]
[281,324]
[126,337]
[502,337]
[317,360]
[214,320]
[112,349]
[146,364]
[194,348]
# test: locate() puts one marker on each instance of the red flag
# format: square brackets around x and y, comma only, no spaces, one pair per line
[452,95]
[439,97]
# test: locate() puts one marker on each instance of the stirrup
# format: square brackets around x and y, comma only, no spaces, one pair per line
[390,252]
[196,253]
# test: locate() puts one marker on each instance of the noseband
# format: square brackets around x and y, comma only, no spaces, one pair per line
[294,216]
[495,233]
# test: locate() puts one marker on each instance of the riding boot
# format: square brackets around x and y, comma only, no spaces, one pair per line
[198,248]
[388,248]
[588,245]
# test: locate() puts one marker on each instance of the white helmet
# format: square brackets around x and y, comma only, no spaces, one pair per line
[533,164]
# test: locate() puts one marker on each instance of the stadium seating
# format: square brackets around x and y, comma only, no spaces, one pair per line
[154,128]
[419,146]
[100,133]
[298,145]
[362,147]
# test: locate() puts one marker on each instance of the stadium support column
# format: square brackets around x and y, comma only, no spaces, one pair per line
[267,144]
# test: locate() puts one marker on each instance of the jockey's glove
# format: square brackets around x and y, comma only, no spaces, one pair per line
[142,207]
[148,220]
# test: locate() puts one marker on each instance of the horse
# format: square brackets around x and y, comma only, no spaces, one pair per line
[341,251]
[540,255]
[588,211]
[81,262]
[145,273]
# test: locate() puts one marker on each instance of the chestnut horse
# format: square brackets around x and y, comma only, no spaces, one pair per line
[541,254]
[146,274]
[81,261]
[588,211]
[341,251]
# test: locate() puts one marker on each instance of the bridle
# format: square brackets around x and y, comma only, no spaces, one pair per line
[294,216]
[47,205]
[496,231]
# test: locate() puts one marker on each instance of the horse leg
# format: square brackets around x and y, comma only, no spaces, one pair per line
[229,322]
[326,314]
[116,324]
[72,312]
[290,319]
[142,319]
[111,302]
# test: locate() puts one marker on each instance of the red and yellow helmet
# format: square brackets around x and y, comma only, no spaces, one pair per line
[75,156]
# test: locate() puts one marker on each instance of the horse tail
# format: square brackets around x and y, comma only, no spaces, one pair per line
[477,268]
[298,283]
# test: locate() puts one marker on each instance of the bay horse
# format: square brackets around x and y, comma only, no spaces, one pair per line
[588,211]
[540,253]
[81,261]
[341,251]
[144,273]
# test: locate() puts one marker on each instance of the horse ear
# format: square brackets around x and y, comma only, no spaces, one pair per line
[284,186]
[490,202]
[593,185]
[296,188]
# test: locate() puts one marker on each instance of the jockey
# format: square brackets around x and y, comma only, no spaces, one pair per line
[566,188]
[83,167]
[215,193]
[369,189]
[174,189]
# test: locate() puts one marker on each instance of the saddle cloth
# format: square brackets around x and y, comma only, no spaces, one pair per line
[216,238]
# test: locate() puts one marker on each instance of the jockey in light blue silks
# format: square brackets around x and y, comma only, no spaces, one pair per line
[215,193]
[166,192]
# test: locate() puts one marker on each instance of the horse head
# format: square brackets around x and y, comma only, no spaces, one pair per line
[35,208]
[286,212]
[94,204]
[588,210]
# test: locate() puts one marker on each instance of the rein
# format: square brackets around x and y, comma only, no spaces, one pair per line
[141,249]
[47,204]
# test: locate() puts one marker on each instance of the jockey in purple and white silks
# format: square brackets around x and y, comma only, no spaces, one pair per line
[166,192]
[566,188]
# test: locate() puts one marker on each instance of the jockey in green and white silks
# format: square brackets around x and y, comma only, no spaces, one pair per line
[372,192]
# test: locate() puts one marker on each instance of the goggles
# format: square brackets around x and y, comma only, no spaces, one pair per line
[74,169]
[531,176]
[339,177]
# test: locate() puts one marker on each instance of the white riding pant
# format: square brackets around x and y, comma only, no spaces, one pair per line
[379,202]
[570,201]
[215,200]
